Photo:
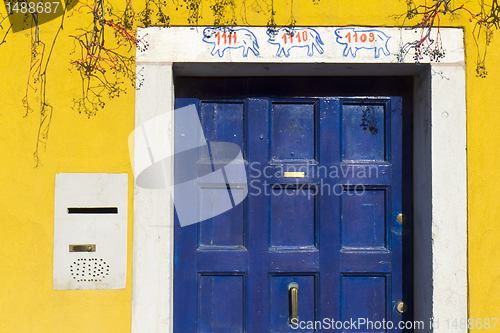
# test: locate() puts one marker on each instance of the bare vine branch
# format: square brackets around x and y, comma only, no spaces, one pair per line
[430,42]
[103,65]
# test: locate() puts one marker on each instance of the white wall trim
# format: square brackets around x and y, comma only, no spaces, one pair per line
[439,154]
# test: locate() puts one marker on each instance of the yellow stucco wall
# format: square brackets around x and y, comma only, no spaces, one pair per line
[98,143]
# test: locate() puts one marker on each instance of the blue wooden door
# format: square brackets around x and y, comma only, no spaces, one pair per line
[325,188]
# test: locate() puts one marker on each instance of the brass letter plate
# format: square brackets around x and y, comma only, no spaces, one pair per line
[82,248]
[294,174]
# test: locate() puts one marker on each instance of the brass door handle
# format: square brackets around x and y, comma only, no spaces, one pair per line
[293,289]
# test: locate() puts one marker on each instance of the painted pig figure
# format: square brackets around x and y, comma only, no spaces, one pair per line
[287,38]
[357,39]
[223,38]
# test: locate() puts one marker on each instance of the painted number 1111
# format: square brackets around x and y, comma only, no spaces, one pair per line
[226,36]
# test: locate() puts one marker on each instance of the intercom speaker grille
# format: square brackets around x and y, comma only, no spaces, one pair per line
[89,269]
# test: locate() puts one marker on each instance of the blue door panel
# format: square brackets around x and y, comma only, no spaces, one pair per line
[364,297]
[292,230]
[363,218]
[363,131]
[293,131]
[222,122]
[221,303]
[334,232]
[227,229]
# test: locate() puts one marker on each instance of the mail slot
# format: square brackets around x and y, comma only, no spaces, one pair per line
[82,248]
[294,174]
[90,231]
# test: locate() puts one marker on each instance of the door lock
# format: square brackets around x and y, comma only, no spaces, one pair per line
[401,307]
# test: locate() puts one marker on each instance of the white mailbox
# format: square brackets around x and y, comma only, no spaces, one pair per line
[90,231]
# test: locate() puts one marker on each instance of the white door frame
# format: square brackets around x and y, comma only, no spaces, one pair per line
[439,155]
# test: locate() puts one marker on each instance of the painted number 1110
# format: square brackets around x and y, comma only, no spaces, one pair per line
[297,36]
